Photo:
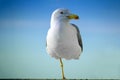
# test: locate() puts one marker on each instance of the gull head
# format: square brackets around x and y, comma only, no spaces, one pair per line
[63,15]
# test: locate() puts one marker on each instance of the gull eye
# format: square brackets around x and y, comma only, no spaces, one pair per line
[61,12]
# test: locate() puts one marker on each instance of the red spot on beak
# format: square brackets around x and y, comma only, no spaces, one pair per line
[76,17]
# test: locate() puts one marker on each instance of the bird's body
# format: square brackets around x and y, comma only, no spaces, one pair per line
[63,42]
[63,38]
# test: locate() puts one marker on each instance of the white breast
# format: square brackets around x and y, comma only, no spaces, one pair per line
[62,42]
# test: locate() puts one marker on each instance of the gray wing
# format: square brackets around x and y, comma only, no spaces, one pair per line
[78,36]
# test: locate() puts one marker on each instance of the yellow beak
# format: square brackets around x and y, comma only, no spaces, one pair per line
[73,16]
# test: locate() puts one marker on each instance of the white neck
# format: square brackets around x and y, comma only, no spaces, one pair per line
[56,22]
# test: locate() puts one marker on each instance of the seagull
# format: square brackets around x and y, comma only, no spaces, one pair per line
[63,38]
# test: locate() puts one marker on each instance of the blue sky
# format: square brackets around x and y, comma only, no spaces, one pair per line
[23,29]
